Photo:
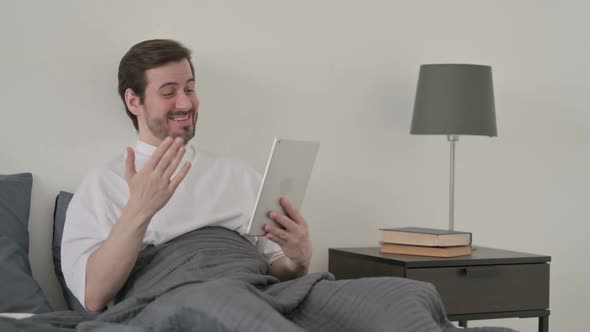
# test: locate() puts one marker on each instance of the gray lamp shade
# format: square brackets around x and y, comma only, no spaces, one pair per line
[454,99]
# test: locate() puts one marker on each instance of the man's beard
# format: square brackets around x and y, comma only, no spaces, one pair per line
[160,129]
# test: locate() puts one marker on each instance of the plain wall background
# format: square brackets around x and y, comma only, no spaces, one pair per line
[344,73]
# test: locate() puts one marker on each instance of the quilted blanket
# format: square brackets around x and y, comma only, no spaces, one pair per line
[213,279]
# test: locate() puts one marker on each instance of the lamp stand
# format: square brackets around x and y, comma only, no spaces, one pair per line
[452,140]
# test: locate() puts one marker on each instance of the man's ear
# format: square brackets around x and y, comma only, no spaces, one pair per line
[132,101]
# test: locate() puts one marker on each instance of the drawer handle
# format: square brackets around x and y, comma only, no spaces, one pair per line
[480,272]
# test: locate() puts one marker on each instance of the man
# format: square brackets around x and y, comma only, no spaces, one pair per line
[158,232]
[164,188]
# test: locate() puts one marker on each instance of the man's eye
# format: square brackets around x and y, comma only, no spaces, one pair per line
[167,93]
[190,91]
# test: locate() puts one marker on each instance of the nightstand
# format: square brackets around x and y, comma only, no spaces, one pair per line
[490,283]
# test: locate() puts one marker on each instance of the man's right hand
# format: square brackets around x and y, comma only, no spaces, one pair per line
[151,188]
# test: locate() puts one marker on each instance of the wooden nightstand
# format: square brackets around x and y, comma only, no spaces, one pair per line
[490,283]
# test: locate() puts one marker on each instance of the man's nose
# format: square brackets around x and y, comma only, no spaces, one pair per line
[183,102]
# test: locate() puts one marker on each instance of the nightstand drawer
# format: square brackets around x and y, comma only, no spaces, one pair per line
[350,267]
[491,288]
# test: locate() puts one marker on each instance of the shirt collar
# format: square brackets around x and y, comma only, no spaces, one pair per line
[148,149]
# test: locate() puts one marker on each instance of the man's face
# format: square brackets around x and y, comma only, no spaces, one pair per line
[170,105]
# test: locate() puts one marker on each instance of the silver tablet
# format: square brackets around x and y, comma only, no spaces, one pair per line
[287,173]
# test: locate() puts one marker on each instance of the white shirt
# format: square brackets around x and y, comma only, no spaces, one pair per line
[215,192]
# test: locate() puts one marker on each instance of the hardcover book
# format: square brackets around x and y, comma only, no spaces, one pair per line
[402,249]
[418,236]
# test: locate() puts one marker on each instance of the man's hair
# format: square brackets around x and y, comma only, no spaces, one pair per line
[143,56]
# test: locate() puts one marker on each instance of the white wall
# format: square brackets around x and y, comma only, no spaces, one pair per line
[342,72]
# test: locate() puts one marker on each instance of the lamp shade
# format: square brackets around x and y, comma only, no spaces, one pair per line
[454,99]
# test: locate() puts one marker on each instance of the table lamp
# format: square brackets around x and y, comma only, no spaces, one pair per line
[453,100]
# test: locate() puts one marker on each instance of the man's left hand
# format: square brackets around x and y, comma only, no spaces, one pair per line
[293,237]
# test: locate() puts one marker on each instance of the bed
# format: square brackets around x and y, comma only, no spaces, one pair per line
[212,279]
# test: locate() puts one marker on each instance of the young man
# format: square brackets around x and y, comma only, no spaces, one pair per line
[158,231]
[164,188]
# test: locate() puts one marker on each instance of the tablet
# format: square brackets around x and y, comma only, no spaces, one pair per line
[287,173]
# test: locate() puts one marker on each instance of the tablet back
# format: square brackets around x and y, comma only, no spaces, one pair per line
[287,174]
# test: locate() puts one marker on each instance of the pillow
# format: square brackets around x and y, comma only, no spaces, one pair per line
[59,219]
[20,292]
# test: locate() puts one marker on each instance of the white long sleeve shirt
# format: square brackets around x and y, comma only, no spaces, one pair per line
[215,192]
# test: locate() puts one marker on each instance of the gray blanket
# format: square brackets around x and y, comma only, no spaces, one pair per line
[213,279]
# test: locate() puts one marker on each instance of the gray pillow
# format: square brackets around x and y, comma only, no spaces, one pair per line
[59,219]
[19,290]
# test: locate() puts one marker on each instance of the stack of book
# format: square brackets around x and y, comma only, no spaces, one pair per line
[425,242]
